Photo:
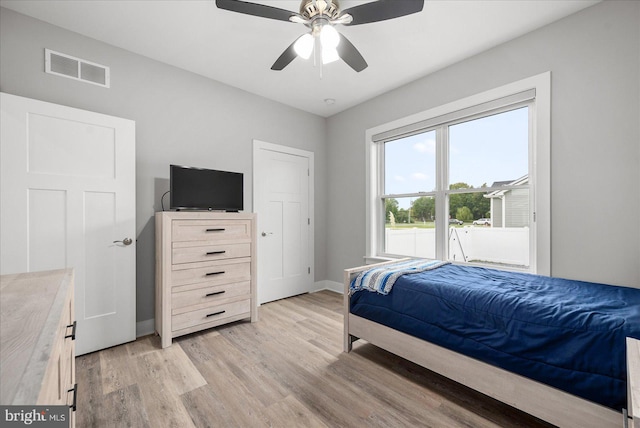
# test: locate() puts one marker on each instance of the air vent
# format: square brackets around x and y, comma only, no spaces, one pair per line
[75,68]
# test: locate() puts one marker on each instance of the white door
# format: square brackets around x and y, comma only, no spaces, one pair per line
[67,194]
[283,201]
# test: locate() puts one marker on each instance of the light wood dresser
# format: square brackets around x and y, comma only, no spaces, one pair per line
[633,383]
[205,271]
[37,339]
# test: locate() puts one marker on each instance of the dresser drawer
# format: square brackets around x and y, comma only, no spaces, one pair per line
[215,313]
[213,273]
[210,252]
[211,230]
[55,376]
[60,373]
[210,295]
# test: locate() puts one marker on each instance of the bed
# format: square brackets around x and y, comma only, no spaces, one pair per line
[551,347]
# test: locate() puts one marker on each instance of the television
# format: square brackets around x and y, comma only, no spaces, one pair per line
[205,189]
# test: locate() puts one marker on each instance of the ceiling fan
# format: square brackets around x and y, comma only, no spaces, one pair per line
[320,16]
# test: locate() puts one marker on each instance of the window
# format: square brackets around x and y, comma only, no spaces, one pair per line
[466,182]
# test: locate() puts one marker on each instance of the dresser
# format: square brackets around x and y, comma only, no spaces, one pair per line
[633,382]
[37,339]
[205,271]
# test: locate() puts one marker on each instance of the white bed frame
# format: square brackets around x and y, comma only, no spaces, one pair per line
[545,402]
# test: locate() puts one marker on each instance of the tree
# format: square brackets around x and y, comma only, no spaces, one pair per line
[460,185]
[423,209]
[464,214]
[402,216]
[459,200]
[475,202]
[391,206]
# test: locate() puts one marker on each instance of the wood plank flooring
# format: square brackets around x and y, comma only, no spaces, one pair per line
[287,370]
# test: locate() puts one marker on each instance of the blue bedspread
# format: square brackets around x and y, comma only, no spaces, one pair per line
[566,334]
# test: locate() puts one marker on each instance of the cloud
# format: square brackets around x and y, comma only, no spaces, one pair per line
[428,146]
[398,178]
[419,176]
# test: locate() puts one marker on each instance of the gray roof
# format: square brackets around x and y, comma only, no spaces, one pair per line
[501,183]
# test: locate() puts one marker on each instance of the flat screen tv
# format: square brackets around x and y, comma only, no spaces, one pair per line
[205,189]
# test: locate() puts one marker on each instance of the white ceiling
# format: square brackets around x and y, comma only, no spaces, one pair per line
[239,49]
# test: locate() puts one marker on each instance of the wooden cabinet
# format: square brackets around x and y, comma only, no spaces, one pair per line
[633,382]
[37,340]
[205,271]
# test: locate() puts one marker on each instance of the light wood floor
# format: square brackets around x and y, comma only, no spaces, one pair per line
[287,370]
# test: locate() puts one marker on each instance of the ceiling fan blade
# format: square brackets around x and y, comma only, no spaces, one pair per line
[350,55]
[382,10]
[285,58]
[255,9]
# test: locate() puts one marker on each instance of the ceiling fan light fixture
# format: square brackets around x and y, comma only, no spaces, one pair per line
[329,37]
[321,16]
[329,55]
[297,19]
[344,19]
[304,46]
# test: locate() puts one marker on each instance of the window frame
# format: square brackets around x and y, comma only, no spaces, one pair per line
[480,105]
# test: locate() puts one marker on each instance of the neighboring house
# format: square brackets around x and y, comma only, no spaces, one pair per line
[510,207]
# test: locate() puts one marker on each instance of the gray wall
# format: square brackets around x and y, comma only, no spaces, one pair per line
[594,58]
[181,118]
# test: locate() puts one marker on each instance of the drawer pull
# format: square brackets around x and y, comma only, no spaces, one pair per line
[73,331]
[215,313]
[215,293]
[213,253]
[216,230]
[75,397]
[214,273]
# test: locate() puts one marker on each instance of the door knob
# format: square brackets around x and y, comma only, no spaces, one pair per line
[267,233]
[125,241]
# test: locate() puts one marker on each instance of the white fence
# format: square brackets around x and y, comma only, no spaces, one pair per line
[509,245]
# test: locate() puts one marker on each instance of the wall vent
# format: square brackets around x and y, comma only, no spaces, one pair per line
[75,68]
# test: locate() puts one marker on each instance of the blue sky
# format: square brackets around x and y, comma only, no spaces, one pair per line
[493,148]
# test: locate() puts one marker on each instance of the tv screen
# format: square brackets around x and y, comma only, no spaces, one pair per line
[205,189]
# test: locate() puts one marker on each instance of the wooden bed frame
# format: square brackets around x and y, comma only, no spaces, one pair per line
[545,402]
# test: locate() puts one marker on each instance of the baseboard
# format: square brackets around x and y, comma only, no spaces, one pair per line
[146,327]
[336,287]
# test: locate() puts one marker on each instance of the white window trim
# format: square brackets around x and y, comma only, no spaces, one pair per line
[539,165]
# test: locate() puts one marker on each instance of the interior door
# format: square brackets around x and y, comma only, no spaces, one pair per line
[282,202]
[68,200]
